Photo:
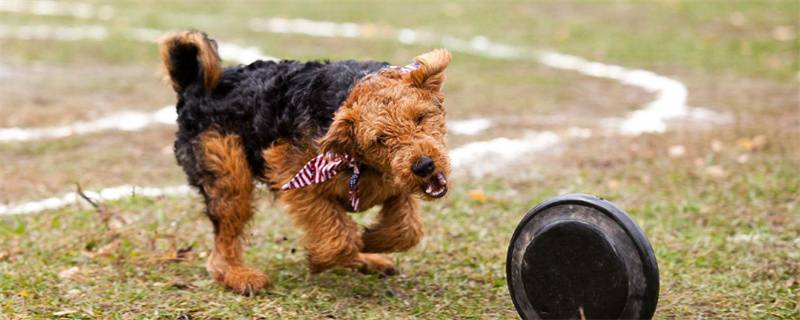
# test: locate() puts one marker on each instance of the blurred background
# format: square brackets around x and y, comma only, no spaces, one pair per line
[685,113]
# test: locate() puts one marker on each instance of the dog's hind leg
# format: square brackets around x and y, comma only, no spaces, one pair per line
[398,228]
[227,185]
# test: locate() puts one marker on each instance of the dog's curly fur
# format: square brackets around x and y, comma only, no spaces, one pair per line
[266,120]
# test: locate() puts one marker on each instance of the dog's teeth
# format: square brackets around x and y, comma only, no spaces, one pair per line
[442,179]
[429,189]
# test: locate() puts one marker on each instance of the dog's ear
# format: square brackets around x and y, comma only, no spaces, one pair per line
[430,73]
[340,137]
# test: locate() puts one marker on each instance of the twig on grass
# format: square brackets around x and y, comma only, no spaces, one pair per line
[105,214]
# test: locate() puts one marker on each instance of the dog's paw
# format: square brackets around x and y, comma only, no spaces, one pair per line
[243,280]
[376,263]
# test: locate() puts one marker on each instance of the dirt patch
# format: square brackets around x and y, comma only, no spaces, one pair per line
[47,95]
[48,168]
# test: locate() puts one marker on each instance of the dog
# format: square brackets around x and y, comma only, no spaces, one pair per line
[327,138]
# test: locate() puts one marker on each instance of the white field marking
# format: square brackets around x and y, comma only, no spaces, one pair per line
[106,194]
[485,157]
[469,127]
[579,132]
[480,158]
[135,120]
[227,51]
[47,32]
[241,54]
[124,121]
[80,10]
[308,27]
[671,94]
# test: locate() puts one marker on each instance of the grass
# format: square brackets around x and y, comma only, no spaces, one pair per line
[740,37]
[458,271]
[722,217]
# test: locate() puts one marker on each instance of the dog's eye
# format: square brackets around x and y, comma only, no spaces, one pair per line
[421,117]
[381,140]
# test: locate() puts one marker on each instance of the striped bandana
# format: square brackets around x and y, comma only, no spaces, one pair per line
[322,168]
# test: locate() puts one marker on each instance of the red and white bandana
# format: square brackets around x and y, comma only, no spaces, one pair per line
[322,168]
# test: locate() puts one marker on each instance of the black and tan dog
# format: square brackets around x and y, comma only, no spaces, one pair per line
[328,137]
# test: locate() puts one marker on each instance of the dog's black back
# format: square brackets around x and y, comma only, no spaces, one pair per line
[265,101]
[260,102]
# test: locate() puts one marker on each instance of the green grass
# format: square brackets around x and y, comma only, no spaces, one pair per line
[458,271]
[720,36]
[727,244]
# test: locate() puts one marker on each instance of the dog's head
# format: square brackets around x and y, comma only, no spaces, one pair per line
[394,121]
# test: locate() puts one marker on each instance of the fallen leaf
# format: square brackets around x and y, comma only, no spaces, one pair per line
[73,292]
[716,171]
[750,144]
[737,19]
[783,33]
[69,273]
[759,141]
[477,195]
[24,293]
[745,144]
[716,146]
[677,151]
[108,249]
[699,162]
[742,158]
[64,312]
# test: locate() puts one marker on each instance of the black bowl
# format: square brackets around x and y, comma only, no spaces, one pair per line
[579,256]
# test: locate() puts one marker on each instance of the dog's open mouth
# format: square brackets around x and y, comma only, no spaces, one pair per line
[436,186]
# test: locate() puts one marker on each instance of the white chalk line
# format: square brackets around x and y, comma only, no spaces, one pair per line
[671,94]
[125,120]
[48,32]
[497,152]
[492,155]
[486,157]
[668,93]
[240,54]
[137,120]
[81,10]
[106,194]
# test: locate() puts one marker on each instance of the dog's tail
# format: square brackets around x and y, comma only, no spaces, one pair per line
[189,57]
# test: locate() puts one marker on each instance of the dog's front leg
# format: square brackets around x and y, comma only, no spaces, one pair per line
[331,238]
[398,228]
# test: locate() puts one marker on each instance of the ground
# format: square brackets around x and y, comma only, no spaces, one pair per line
[719,200]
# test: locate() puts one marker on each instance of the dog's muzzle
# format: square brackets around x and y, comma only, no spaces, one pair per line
[435,184]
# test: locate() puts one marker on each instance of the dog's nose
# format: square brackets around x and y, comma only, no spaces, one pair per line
[423,167]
